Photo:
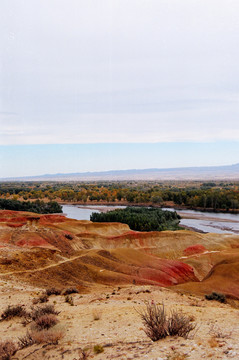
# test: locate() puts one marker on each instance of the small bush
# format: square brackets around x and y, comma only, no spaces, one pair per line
[158,325]
[44,310]
[69,291]
[179,324]
[25,341]
[68,236]
[13,311]
[43,298]
[69,300]
[53,291]
[46,321]
[52,336]
[98,349]
[216,296]
[155,321]
[7,349]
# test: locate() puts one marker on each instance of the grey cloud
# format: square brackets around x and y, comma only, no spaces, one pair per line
[151,62]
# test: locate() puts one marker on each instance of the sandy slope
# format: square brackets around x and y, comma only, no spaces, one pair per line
[119,328]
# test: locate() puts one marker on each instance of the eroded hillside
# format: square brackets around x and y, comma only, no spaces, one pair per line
[53,250]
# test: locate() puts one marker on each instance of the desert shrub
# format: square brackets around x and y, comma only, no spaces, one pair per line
[43,310]
[13,311]
[68,236]
[25,341]
[53,291]
[98,349]
[43,298]
[51,336]
[216,296]
[155,321]
[69,291]
[158,325]
[69,300]
[179,324]
[46,321]
[7,349]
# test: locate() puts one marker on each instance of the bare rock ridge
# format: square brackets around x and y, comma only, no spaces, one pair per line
[52,250]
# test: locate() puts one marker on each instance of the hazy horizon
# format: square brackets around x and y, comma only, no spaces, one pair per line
[223,172]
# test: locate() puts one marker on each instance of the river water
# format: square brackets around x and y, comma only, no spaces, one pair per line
[200,221]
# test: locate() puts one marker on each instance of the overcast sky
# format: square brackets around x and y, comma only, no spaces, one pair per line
[118,71]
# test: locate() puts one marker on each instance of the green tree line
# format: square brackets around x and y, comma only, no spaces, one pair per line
[37,206]
[214,196]
[141,218]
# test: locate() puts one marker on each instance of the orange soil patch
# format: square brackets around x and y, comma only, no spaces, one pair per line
[46,219]
[15,225]
[221,270]
[194,249]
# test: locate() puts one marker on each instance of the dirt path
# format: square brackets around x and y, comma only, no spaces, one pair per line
[42,268]
[77,257]
[199,254]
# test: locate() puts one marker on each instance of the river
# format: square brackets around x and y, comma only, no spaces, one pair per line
[199,221]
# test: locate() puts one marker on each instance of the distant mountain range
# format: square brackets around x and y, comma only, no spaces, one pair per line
[227,172]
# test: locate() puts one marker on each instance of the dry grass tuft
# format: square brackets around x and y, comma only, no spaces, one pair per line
[13,311]
[7,349]
[158,325]
[69,291]
[25,341]
[44,310]
[43,298]
[155,321]
[46,321]
[53,291]
[179,324]
[218,333]
[52,336]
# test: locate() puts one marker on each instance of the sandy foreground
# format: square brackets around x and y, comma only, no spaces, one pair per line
[108,316]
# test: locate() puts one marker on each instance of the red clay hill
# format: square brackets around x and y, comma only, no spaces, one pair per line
[53,250]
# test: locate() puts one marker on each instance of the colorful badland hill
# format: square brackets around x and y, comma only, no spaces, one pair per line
[52,250]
